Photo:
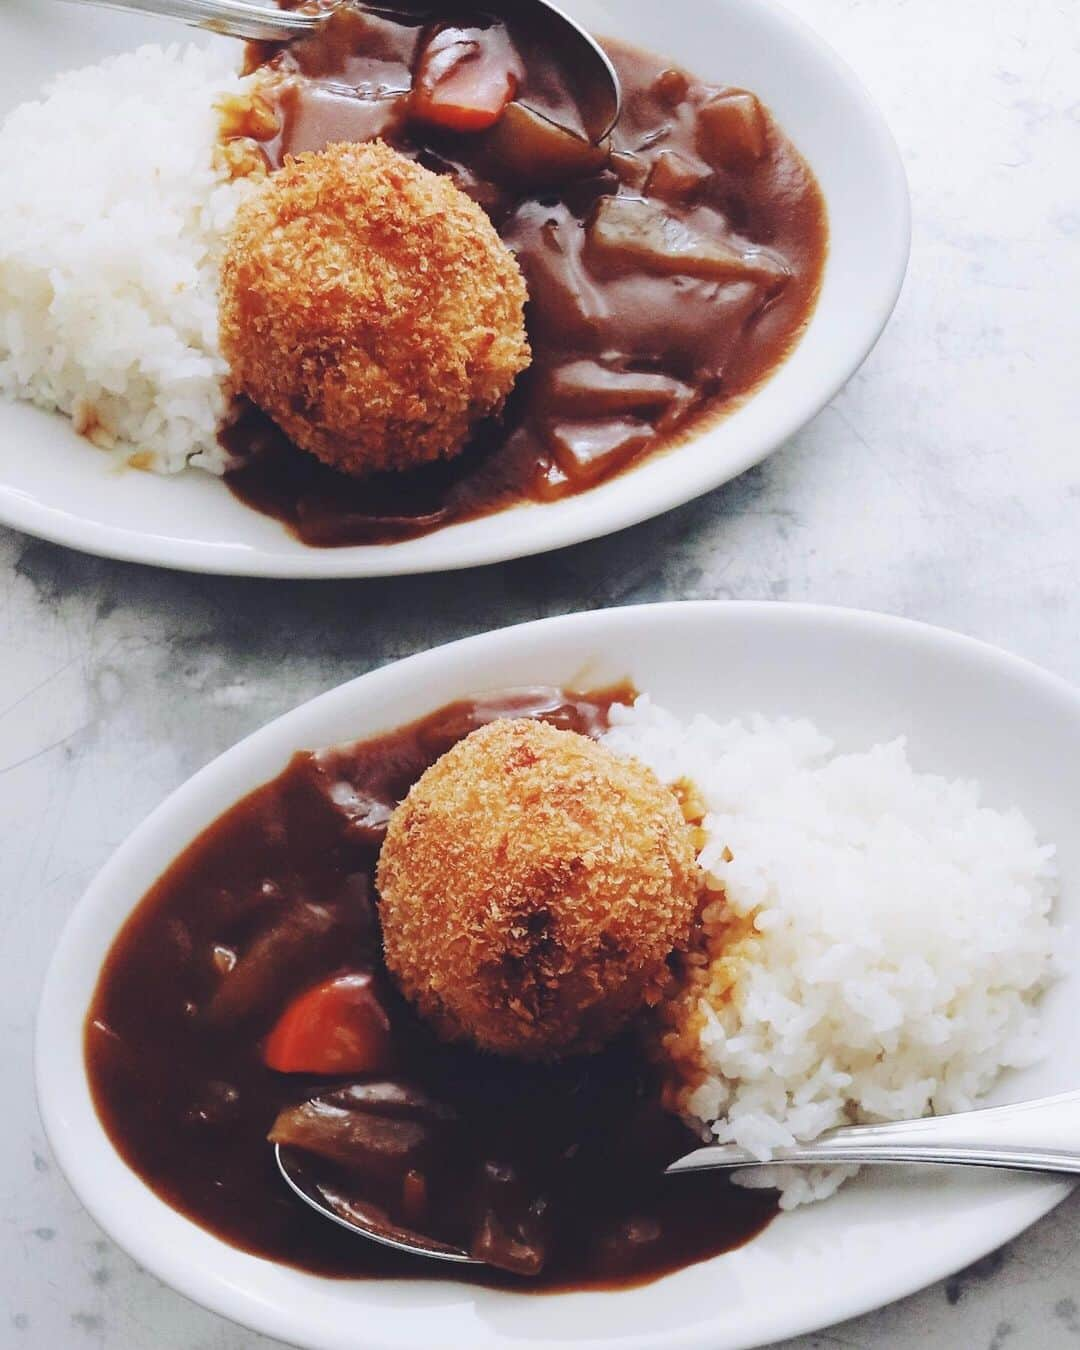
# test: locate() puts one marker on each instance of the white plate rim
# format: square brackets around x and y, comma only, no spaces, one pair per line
[924,1267]
[604,510]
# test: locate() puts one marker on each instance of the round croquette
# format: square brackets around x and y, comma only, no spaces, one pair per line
[370,308]
[532,886]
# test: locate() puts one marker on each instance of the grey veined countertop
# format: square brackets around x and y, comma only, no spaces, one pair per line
[943,484]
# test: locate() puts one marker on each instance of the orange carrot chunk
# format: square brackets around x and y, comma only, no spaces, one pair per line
[339,1027]
[465,78]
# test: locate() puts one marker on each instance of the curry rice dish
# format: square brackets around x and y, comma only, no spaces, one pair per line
[486,975]
[666,272]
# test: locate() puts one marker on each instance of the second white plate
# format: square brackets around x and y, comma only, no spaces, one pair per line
[54,485]
[966,709]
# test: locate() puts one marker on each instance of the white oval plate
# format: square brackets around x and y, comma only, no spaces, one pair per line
[966,709]
[53,484]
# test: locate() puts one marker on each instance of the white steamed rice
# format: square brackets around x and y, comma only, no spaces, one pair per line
[112,218]
[877,937]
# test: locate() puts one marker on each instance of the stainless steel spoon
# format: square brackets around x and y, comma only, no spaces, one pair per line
[234,18]
[1034,1136]
[592,67]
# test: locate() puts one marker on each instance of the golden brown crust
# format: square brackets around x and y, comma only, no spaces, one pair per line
[370,308]
[532,887]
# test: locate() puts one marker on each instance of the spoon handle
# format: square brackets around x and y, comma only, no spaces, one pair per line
[232,17]
[1034,1136]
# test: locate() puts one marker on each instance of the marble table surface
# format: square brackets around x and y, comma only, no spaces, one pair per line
[943,483]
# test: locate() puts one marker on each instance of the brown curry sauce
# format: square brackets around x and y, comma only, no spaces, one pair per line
[630,356]
[279,893]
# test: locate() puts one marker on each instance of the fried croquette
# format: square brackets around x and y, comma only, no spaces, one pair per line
[369,307]
[532,886]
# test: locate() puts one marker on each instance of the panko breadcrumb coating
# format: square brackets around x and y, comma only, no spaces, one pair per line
[370,308]
[532,886]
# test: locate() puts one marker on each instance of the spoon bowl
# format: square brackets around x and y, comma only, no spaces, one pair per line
[371,1224]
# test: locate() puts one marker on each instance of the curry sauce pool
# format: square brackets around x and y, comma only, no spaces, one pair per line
[669,273]
[277,895]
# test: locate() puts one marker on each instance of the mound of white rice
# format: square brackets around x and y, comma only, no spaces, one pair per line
[112,216]
[875,942]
